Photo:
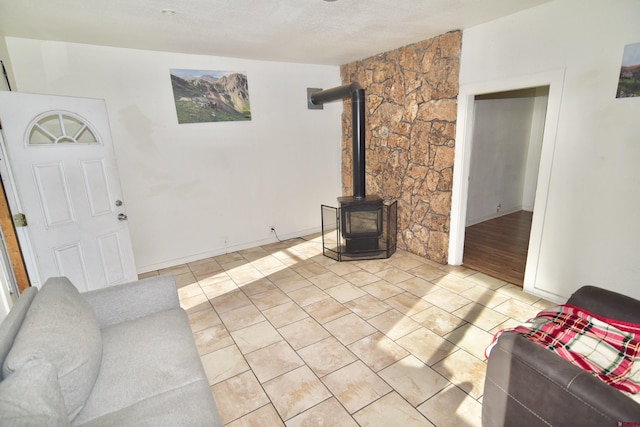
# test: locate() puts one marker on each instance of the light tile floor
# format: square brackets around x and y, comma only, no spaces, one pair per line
[291,338]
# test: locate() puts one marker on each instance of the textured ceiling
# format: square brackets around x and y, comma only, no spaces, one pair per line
[305,31]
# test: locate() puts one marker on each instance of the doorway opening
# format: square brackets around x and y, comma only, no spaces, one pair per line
[554,80]
[505,157]
[13,273]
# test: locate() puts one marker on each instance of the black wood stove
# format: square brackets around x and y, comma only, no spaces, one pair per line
[362,227]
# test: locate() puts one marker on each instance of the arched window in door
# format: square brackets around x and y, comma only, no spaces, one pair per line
[60,127]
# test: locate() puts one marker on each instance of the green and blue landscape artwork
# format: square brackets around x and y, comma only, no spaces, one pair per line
[629,82]
[210,96]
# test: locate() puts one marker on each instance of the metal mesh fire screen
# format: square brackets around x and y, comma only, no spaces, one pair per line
[359,231]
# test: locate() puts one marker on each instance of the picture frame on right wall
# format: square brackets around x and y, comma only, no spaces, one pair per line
[629,81]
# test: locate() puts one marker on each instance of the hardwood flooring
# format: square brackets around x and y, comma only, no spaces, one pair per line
[498,247]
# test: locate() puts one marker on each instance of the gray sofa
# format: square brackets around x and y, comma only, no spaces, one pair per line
[118,356]
[528,385]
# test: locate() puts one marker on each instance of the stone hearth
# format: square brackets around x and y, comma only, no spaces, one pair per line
[411,122]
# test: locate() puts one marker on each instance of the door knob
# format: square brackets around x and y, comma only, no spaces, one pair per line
[122,217]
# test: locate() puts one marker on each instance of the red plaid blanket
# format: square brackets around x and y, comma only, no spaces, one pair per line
[607,348]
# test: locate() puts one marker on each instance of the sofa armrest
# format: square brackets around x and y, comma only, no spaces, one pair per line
[128,301]
[607,303]
[12,323]
[529,385]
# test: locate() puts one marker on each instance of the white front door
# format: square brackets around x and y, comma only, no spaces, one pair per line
[62,174]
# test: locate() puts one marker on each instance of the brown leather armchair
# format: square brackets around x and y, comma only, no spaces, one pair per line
[528,385]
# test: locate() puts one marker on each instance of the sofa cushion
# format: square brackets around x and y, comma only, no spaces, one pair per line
[61,327]
[185,406]
[128,301]
[142,359]
[11,324]
[31,396]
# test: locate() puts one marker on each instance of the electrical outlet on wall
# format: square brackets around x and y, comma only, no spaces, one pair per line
[272,229]
[498,207]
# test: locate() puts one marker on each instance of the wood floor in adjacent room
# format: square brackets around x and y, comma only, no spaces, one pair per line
[498,247]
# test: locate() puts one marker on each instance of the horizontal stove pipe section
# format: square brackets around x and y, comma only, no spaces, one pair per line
[357,122]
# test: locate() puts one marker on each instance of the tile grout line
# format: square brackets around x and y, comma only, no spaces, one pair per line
[403,315]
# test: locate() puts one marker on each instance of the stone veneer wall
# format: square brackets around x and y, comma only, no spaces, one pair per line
[411,112]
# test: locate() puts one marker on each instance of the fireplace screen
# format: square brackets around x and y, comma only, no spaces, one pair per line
[356,232]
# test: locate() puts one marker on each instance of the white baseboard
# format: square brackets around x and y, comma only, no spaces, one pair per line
[474,221]
[224,250]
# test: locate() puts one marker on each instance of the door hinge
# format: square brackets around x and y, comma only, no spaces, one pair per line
[20,220]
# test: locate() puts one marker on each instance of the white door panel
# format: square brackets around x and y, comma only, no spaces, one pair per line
[61,160]
[53,194]
[96,185]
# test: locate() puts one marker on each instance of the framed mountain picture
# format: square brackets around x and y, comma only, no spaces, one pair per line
[210,96]
[629,81]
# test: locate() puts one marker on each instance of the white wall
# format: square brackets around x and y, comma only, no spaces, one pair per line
[590,231]
[197,190]
[499,151]
[535,147]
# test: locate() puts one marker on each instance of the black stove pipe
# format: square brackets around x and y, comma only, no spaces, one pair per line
[357,122]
